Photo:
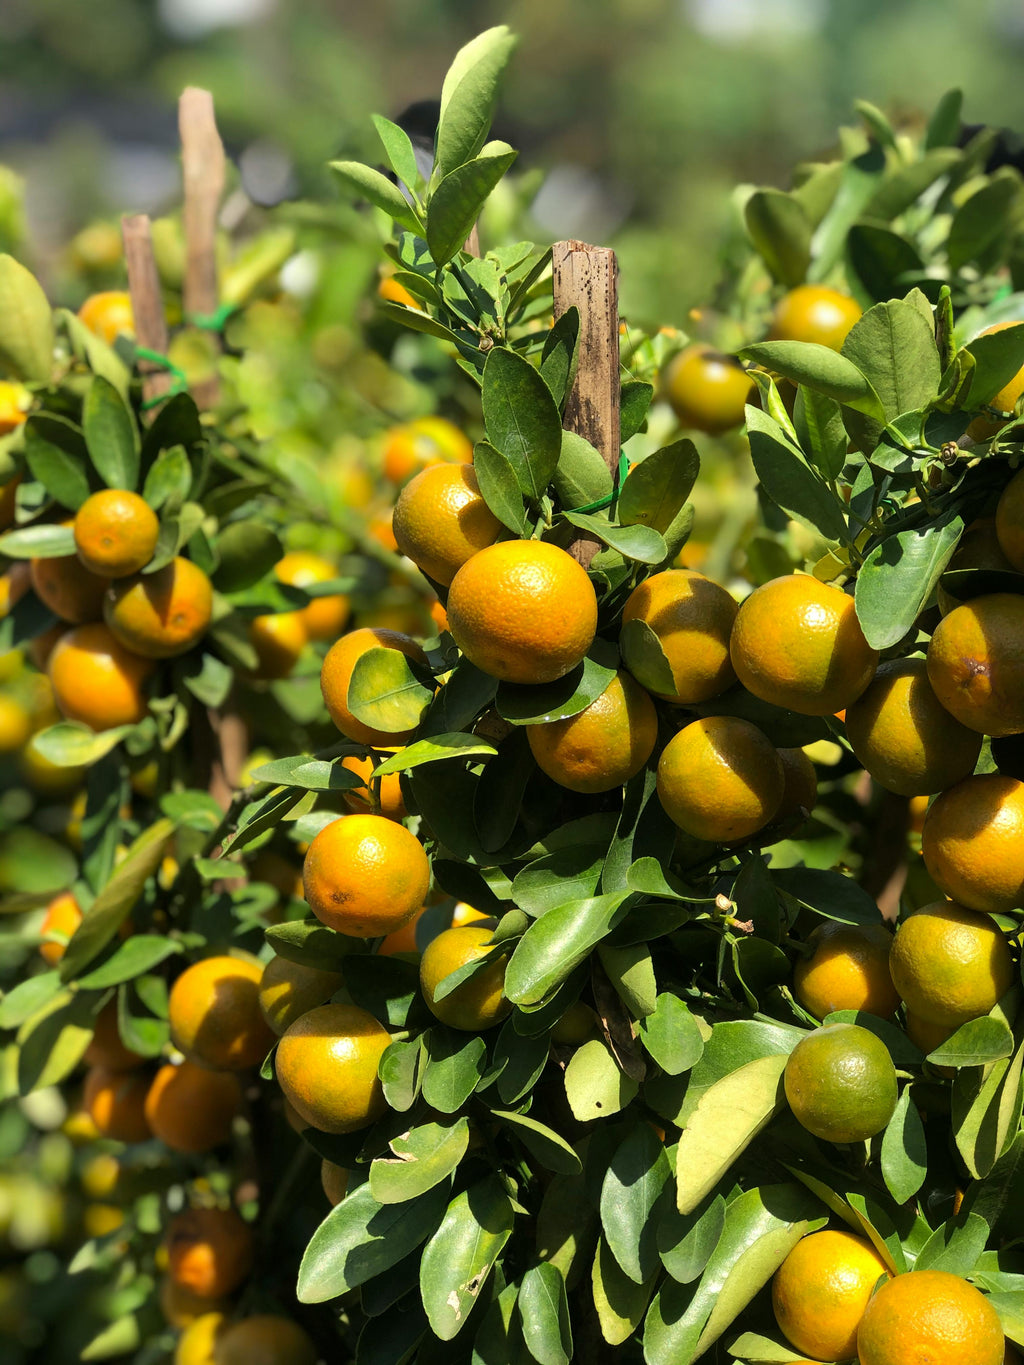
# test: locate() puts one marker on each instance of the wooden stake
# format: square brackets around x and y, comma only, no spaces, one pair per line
[147,302]
[203,172]
[587,277]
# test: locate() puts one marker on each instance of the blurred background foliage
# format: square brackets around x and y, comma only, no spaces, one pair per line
[643,113]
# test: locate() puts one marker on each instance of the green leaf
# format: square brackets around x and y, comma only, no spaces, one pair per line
[70,745]
[116,901]
[549,1147]
[209,679]
[728,1117]
[955,1246]
[750,1346]
[433,750]
[98,356]
[643,655]
[310,943]
[905,185]
[47,541]
[634,402]
[630,1193]
[819,367]
[423,1157]
[544,1310]
[790,481]
[976,1043]
[539,704]
[454,1068]
[168,480]
[459,1256]
[468,97]
[671,1036]
[401,1072]
[594,1085]
[894,348]
[457,201]
[997,358]
[904,1151]
[898,577]
[642,544]
[557,942]
[360,1239]
[248,550]
[781,231]
[517,1062]
[732,1044]
[830,894]
[385,693]
[55,454]
[687,1240]
[398,149]
[52,1041]
[983,219]
[820,431]
[110,435]
[136,956]
[521,418]
[422,322]
[568,874]
[560,356]
[500,488]
[656,489]
[879,258]
[620,1303]
[28,997]
[311,774]
[858,178]
[986,1108]
[379,190]
[1010,1307]
[581,476]
[26,324]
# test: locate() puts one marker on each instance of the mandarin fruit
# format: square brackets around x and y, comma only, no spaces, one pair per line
[108,314]
[692,617]
[478,1003]
[334,1180]
[15,724]
[441,520]
[950,964]
[425,441]
[848,970]
[106,1048]
[96,680]
[162,614]
[336,675]
[720,779]
[812,312]
[387,789]
[69,590]
[209,1251]
[929,1317]
[191,1109]
[365,875]
[181,1307]
[215,1016]
[265,1339]
[324,617]
[800,790]
[707,390]
[603,745]
[197,1344]
[976,664]
[326,1065]
[820,1291]
[1010,516]
[288,989]
[116,1103]
[278,641]
[63,916]
[115,533]
[841,1083]
[973,842]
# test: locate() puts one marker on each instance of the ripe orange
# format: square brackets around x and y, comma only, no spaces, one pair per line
[115,533]
[326,1065]
[976,664]
[107,1049]
[927,1036]
[70,591]
[821,1290]
[479,1002]
[720,779]
[334,1180]
[930,1316]
[800,792]
[15,401]
[215,1014]
[324,618]
[266,1340]
[108,314]
[848,970]
[903,735]
[441,520]
[1010,514]
[973,842]
[115,1101]
[841,1083]
[426,441]
[162,614]
[692,616]
[402,940]
[63,916]
[190,1109]
[197,1345]
[950,964]
[336,674]
[391,291]
[389,788]
[812,312]
[602,746]
[97,680]
[1005,401]
[209,1251]
[365,875]
[288,989]
[278,641]
[707,390]
[523,611]
[15,724]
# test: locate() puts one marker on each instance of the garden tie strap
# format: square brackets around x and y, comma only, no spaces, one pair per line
[213,322]
[602,503]
[179,380]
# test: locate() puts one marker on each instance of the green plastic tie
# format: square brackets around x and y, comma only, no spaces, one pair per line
[212,322]
[179,380]
[602,503]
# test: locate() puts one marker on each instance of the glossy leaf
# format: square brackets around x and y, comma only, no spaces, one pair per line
[134,957]
[539,704]
[422,1158]
[671,1036]
[548,1147]
[581,476]
[26,324]
[521,418]
[55,454]
[781,231]
[560,357]
[898,578]
[454,1067]
[248,550]
[830,894]
[367,183]
[456,202]
[686,1241]
[554,944]
[807,362]
[904,1151]
[594,1085]
[997,358]
[398,148]
[955,1246]
[110,435]
[385,693]
[983,218]
[976,1043]
[893,346]
[468,97]
[544,1310]
[643,544]
[500,487]
[630,1193]
[789,480]
[52,1041]
[459,1256]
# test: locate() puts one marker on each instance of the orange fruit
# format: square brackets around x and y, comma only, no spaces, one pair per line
[391,291]
[69,590]
[108,314]
[479,1003]
[523,611]
[707,390]
[365,875]
[841,1083]
[720,779]
[812,312]
[929,1316]
[973,842]
[15,402]
[162,614]
[324,618]
[278,640]
[115,1101]
[115,533]
[1010,514]
[181,1308]
[96,679]
[978,548]
[198,1343]
[209,1251]
[820,1291]
[288,989]
[334,1180]
[40,647]
[336,674]
[15,724]
[927,1036]
[107,1049]
[402,940]
[903,735]
[426,441]
[63,916]
[266,1340]
[692,616]
[441,520]
[800,789]
[848,970]
[1005,401]
[388,789]
[190,1109]
[601,746]
[215,1014]
[950,964]
[797,643]
[976,664]
[326,1065]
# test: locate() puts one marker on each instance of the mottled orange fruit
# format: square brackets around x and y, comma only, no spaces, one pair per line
[215,1016]
[602,746]
[692,617]
[707,390]
[365,875]
[821,1290]
[930,1316]
[976,664]
[848,970]
[324,618]
[441,520]
[115,533]
[973,842]
[162,614]
[190,1108]
[326,1066]
[479,1002]
[813,312]
[720,779]
[97,680]
[115,1101]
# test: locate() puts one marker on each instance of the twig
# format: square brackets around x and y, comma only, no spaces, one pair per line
[147,302]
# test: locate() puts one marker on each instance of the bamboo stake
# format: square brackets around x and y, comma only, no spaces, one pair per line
[587,277]
[203,174]
[147,302]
